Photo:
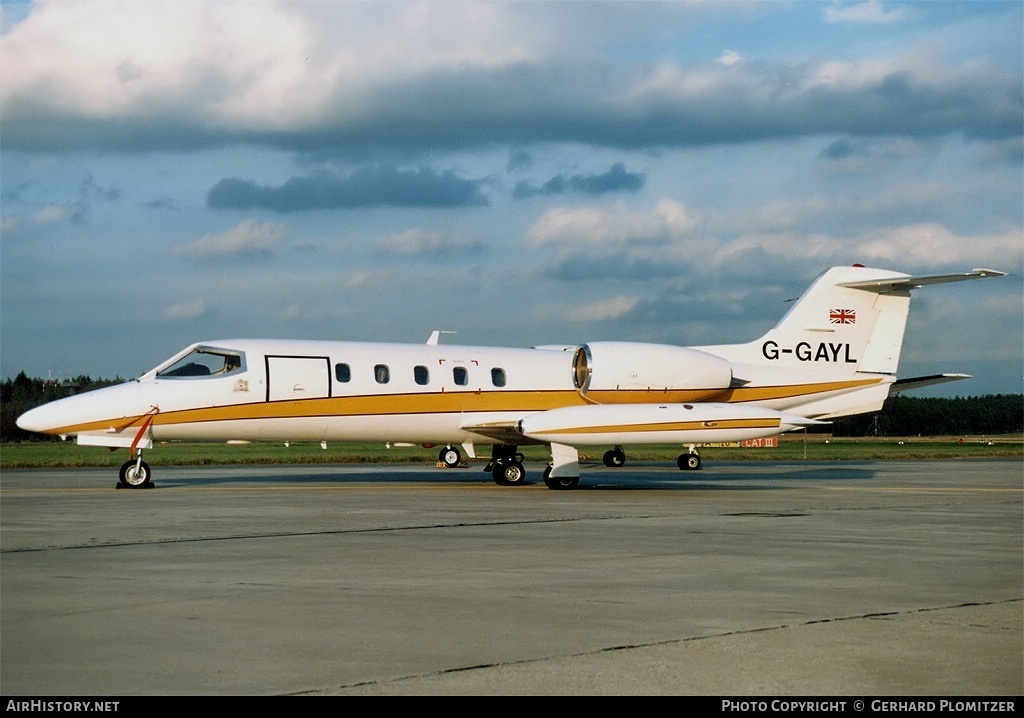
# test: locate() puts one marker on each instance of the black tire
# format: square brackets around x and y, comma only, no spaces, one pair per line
[135,474]
[510,474]
[562,483]
[450,457]
[688,462]
[614,457]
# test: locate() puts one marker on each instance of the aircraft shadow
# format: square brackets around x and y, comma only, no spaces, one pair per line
[596,477]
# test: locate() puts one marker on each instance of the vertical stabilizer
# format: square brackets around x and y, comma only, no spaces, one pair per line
[838,325]
[851,318]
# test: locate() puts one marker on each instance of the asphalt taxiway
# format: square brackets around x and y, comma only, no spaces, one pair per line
[755,579]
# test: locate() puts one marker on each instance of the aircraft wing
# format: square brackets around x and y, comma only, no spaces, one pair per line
[506,432]
[597,424]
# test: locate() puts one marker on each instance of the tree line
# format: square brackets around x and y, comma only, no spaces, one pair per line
[957,416]
[900,415]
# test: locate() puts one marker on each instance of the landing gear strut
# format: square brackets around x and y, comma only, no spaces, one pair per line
[135,474]
[506,466]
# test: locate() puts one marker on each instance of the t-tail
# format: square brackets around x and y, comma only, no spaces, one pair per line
[836,352]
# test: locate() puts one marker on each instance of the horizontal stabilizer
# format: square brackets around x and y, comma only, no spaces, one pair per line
[892,284]
[920,381]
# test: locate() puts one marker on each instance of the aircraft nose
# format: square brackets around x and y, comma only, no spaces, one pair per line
[39,420]
[68,415]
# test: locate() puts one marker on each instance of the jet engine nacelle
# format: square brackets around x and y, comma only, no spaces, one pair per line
[610,367]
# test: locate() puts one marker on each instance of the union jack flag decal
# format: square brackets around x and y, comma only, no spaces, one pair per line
[842,316]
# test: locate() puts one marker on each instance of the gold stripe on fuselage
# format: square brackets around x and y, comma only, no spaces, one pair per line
[479,401]
[747,394]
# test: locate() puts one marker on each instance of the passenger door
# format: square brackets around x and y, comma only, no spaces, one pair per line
[298,378]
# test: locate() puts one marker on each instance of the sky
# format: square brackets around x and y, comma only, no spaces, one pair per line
[520,173]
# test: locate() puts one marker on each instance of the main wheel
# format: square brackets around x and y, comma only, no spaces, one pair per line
[614,457]
[510,474]
[450,457]
[688,462]
[560,482]
[135,474]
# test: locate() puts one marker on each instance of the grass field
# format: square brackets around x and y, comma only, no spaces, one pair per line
[795,447]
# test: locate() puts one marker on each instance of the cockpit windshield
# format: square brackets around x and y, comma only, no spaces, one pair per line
[204,361]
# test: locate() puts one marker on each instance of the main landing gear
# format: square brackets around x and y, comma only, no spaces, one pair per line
[615,457]
[506,466]
[690,461]
[135,474]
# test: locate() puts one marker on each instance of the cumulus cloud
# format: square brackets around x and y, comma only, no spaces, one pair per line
[315,76]
[608,309]
[617,241]
[418,243]
[361,280]
[596,226]
[729,58]
[616,179]
[75,209]
[850,154]
[933,245]
[912,247]
[248,238]
[870,12]
[192,309]
[53,213]
[365,187]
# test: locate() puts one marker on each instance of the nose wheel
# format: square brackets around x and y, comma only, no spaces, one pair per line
[450,457]
[135,474]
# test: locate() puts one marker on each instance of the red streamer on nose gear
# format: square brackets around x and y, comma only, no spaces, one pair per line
[153,410]
[148,419]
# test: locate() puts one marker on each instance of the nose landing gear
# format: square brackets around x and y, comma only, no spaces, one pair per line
[135,474]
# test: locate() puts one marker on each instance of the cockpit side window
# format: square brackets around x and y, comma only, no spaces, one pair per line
[204,362]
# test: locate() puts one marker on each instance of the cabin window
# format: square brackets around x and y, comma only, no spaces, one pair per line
[382,374]
[498,376]
[343,373]
[461,375]
[421,374]
[204,362]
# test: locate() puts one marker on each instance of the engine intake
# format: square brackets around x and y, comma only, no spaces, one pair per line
[622,372]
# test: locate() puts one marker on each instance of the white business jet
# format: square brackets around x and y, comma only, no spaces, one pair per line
[834,354]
